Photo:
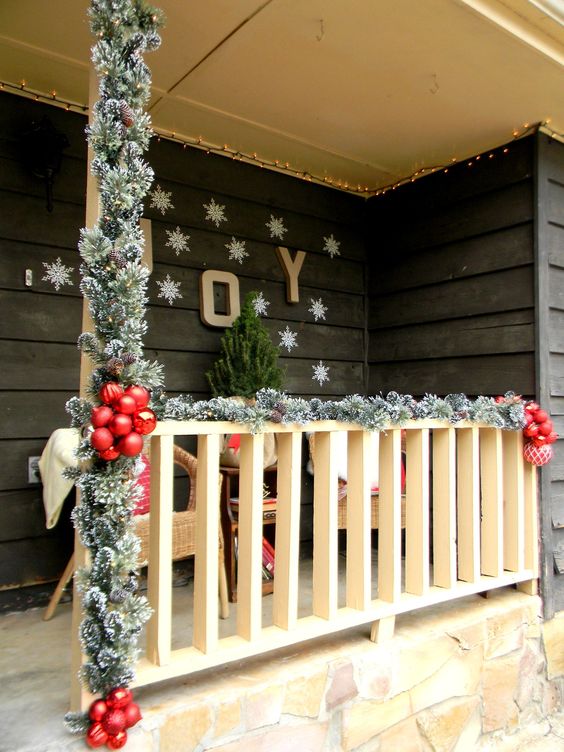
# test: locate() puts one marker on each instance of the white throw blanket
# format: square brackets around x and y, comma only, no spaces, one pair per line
[57,455]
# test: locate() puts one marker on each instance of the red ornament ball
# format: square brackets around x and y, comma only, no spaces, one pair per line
[131,444]
[110,454]
[97,710]
[139,394]
[126,404]
[119,697]
[540,416]
[532,431]
[110,392]
[144,421]
[546,427]
[101,415]
[114,721]
[120,424]
[537,455]
[532,407]
[96,736]
[101,438]
[132,714]
[117,741]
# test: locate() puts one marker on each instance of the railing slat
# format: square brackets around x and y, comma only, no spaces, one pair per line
[159,585]
[514,498]
[358,520]
[325,526]
[491,458]
[249,569]
[287,542]
[389,521]
[444,507]
[531,519]
[417,512]
[468,490]
[207,545]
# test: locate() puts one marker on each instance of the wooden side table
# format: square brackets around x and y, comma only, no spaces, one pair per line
[230,524]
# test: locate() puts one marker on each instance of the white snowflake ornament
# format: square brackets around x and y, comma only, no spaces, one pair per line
[160,200]
[288,339]
[236,250]
[276,227]
[320,373]
[215,212]
[177,240]
[260,304]
[58,274]
[317,309]
[169,289]
[332,246]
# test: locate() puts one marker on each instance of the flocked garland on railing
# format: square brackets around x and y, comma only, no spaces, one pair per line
[114,281]
[373,413]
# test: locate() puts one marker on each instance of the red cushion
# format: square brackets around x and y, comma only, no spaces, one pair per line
[144,480]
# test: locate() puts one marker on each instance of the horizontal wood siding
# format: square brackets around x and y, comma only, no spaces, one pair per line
[40,325]
[550,332]
[451,280]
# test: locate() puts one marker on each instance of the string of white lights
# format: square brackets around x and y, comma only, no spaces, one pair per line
[199,142]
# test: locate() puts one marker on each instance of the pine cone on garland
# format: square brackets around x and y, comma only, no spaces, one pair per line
[115,366]
[116,258]
[126,114]
[118,595]
[276,416]
[129,358]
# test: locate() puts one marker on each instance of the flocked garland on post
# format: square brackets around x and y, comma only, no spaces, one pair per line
[114,281]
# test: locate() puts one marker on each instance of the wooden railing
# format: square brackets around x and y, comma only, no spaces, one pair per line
[471,526]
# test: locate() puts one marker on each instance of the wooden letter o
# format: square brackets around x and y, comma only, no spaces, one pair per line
[207,305]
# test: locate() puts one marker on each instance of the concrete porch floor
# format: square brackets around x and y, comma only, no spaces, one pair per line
[35,657]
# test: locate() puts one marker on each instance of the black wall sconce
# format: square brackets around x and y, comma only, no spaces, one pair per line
[42,154]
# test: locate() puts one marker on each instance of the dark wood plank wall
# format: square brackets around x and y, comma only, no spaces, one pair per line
[40,325]
[451,294]
[550,356]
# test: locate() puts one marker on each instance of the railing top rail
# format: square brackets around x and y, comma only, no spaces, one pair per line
[202,427]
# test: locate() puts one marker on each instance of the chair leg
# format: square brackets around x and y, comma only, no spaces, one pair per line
[61,585]
[223,598]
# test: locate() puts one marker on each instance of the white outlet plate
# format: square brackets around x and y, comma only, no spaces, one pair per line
[33,475]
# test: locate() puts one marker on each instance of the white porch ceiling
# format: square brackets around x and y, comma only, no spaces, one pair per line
[365,91]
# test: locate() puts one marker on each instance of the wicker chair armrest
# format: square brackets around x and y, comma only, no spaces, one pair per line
[190,464]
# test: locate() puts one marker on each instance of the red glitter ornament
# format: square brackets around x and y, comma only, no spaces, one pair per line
[110,454]
[120,424]
[110,392]
[132,714]
[96,736]
[117,741]
[131,444]
[125,404]
[537,455]
[139,394]
[97,710]
[114,721]
[144,421]
[119,697]
[101,438]
[101,415]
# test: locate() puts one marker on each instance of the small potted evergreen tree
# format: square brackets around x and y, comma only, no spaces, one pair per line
[247,363]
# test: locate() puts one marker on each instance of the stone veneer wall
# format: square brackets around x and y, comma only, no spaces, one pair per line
[450,679]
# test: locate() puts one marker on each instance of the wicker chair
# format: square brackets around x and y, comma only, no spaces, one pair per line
[184,528]
[183,538]
[342,499]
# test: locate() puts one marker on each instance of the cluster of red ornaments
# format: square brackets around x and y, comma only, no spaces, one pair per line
[540,432]
[110,718]
[122,421]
